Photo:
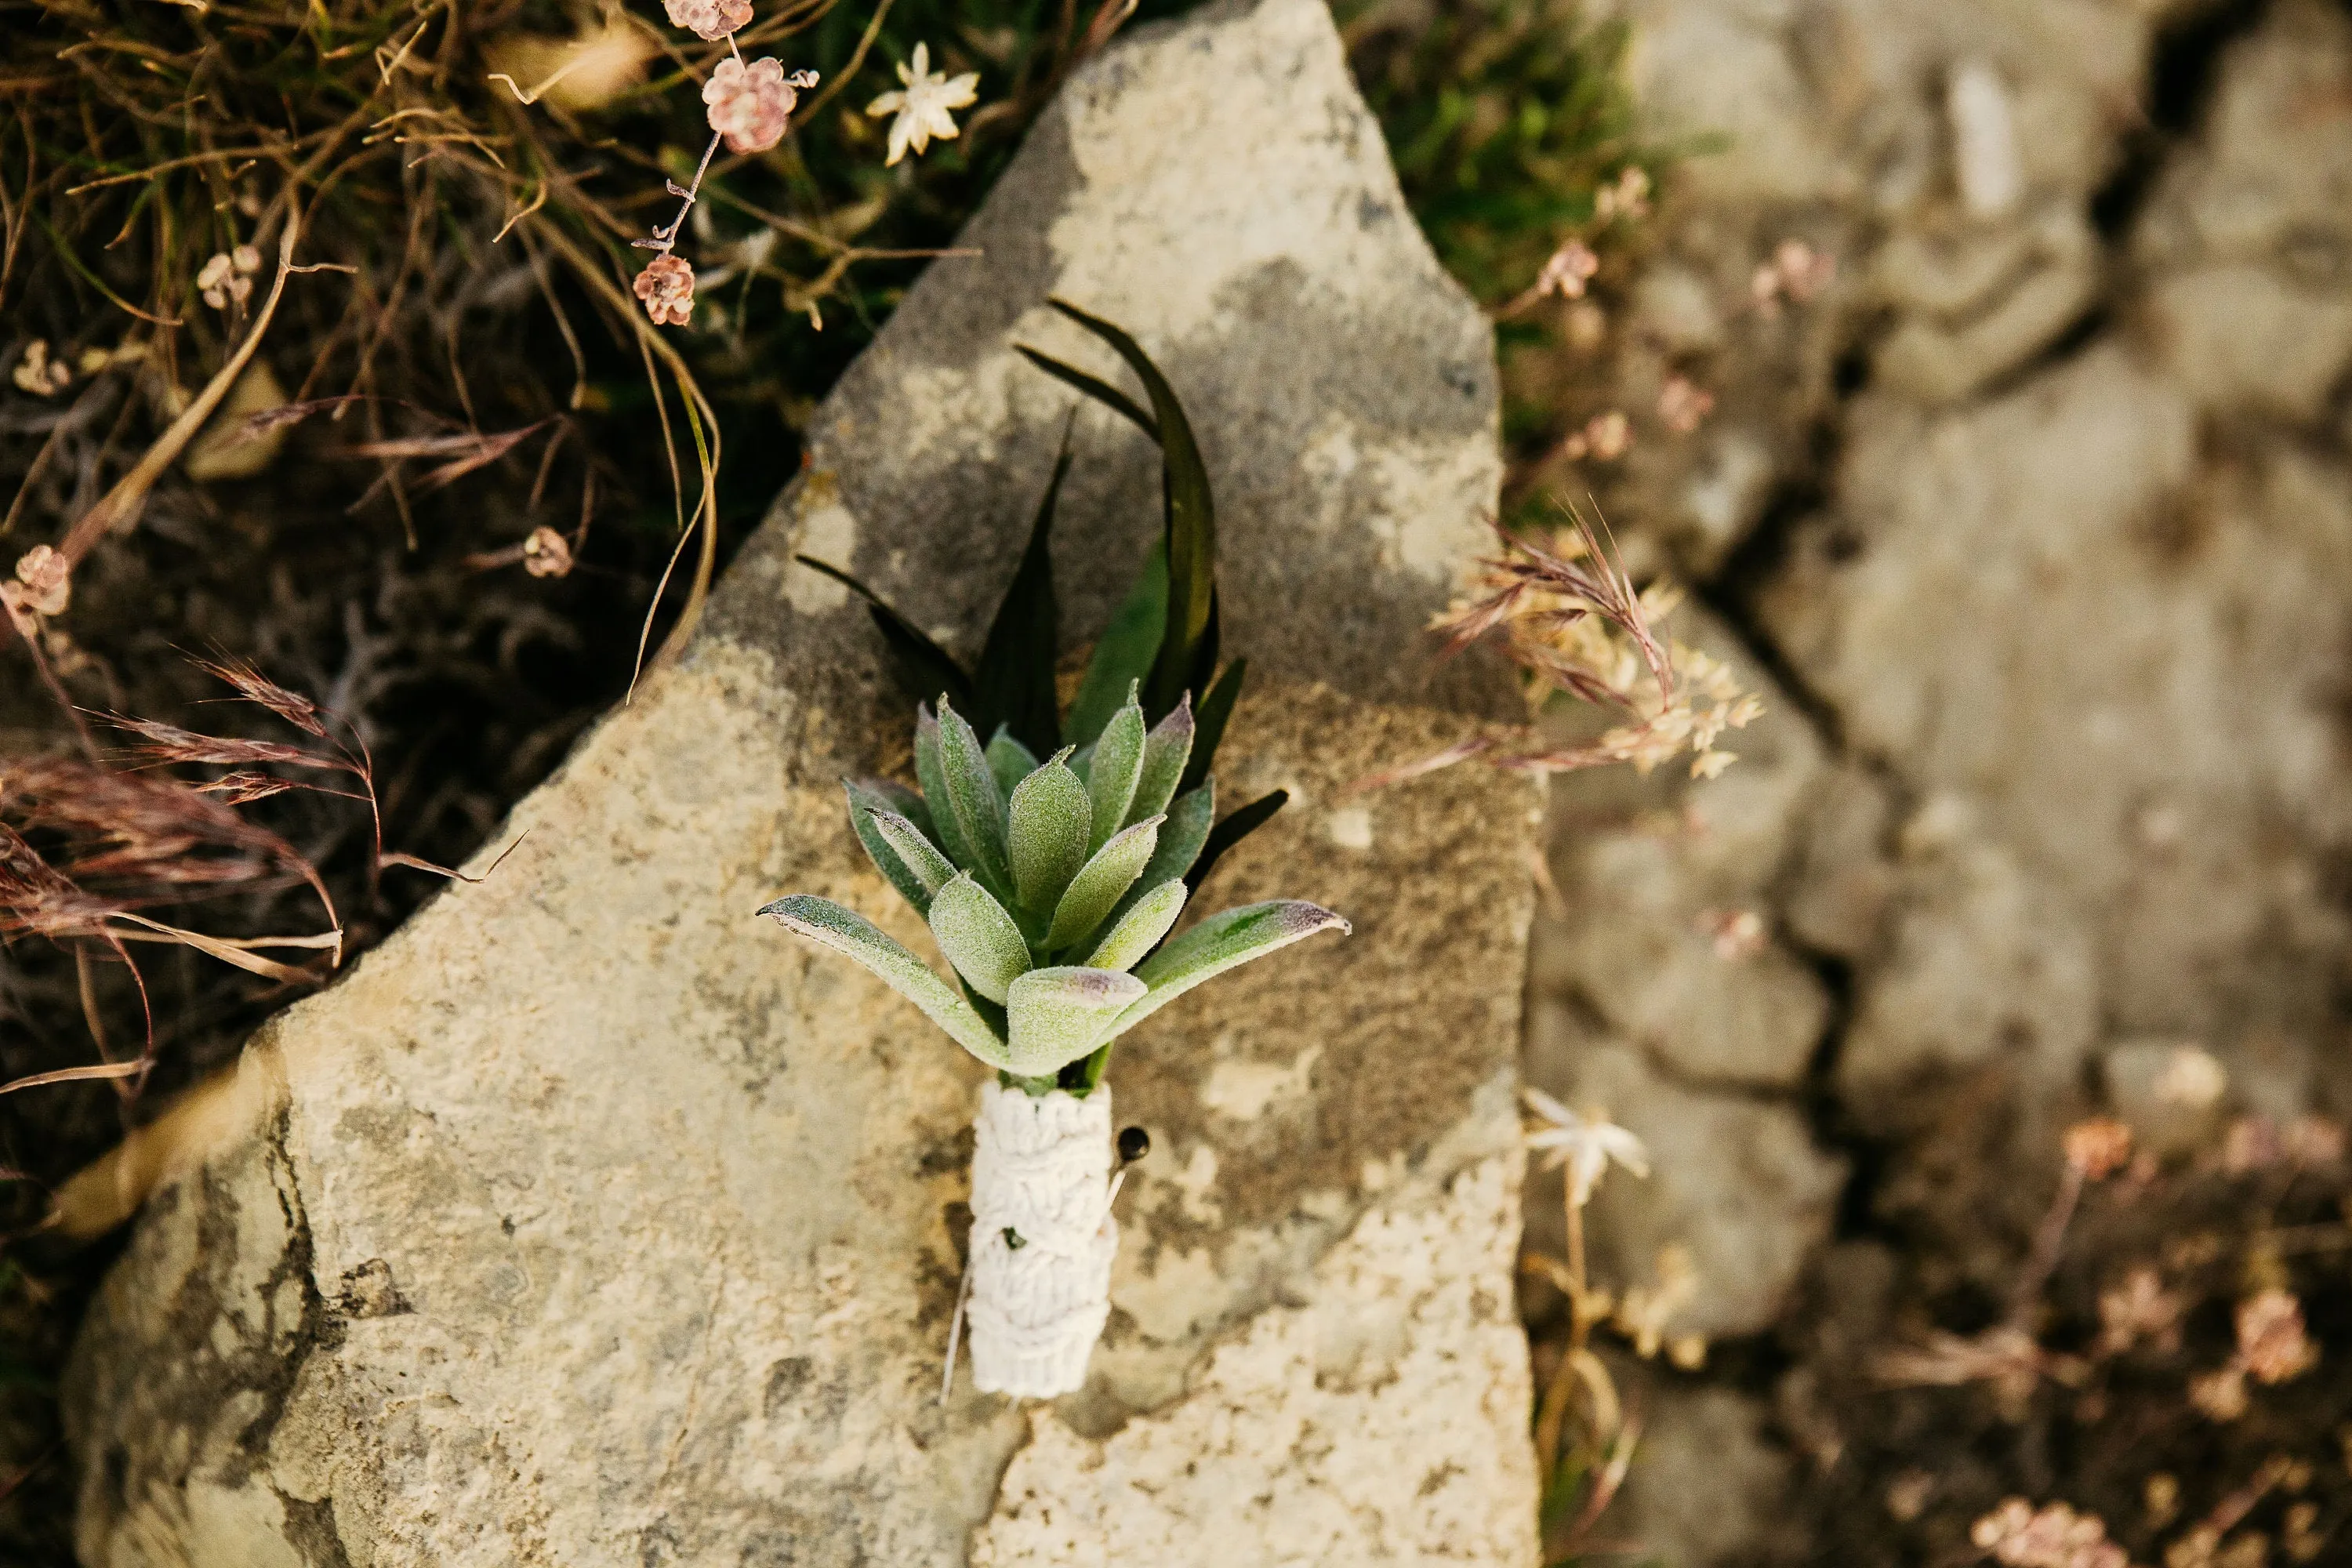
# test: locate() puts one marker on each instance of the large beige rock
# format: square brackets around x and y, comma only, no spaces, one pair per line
[592,1221]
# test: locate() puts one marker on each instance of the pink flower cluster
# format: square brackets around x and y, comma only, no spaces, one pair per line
[749,106]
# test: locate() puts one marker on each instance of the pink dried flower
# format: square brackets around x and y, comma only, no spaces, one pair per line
[2053,1536]
[1738,934]
[47,577]
[1571,266]
[1797,272]
[1627,196]
[666,286]
[709,20]
[2098,1147]
[2219,1395]
[2271,1342]
[2139,1309]
[2313,1141]
[752,105]
[1682,404]
[546,553]
[1607,436]
[2252,1144]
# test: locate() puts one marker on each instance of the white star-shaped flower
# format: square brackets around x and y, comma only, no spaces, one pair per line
[1584,1146]
[922,106]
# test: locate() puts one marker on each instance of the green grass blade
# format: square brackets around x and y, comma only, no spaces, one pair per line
[926,662]
[1216,707]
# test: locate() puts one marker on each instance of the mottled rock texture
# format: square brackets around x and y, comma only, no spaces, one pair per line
[2036,530]
[592,1221]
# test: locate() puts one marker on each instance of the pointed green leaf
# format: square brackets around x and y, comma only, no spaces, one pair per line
[1221,942]
[932,775]
[897,797]
[1123,658]
[1216,707]
[1117,768]
[1054,1016]
[1099,884]
[1231,831]
[926,661]
[1181,838]
[1138,932]
[1015,676]
[972,799]
[979,937]
[851,934]
[1165,752]
[865,805]
[1192,522]
[1051,819]
[1009,762]
[918,854]
[1101,391]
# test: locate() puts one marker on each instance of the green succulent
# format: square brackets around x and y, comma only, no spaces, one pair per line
[1048,886]
[1051,887]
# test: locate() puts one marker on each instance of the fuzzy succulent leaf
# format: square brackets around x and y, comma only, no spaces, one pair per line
[1181,838]
[1009,762]
[1112,775]
[1057,1015]
[1052,819]
[1166,750]
[1138,931]
[1123,658]
[856,938]
[917,853]
[1100,883]
[865,806]
[1216,707]
[973,799]
[1223,942]
[979,937]
[933,776]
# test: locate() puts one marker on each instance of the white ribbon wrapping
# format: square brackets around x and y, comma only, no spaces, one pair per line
[1043,1239]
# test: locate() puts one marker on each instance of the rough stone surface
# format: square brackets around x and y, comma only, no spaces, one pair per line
[592,1221]
[2040,520]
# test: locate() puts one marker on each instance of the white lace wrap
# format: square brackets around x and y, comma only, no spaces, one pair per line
[1042,1240]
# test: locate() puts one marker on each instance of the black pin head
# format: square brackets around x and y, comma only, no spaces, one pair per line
[1134,1144]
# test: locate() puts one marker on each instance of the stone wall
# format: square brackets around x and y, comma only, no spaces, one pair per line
[2036,532]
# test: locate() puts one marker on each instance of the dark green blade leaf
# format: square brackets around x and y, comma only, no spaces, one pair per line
[1015,678]
[1209,723]
[1192,522]
[1009,761]
[926,662]
[1124,655]
[1101,391]
[1231,831]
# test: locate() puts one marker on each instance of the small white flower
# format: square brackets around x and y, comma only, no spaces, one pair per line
[922,107]
[1584,1145]
[220,282]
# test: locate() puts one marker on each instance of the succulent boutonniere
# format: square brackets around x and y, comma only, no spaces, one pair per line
[1052,887]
